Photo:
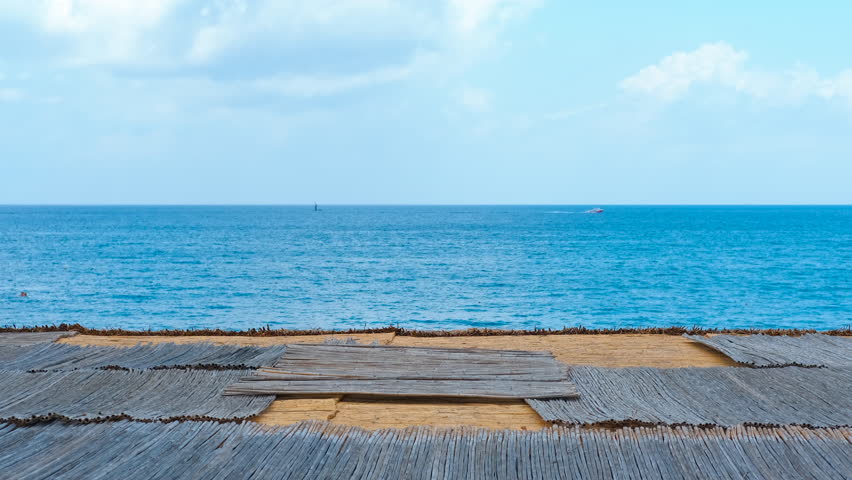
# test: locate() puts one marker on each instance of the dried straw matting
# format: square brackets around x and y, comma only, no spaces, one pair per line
[813,350]
[54,356]
[621,350]
[410,372]
[202,450]
[141,395]
[715,396]
[132,340]
[31,338]
[375,413]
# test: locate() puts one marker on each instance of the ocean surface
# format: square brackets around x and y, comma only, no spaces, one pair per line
[426,267]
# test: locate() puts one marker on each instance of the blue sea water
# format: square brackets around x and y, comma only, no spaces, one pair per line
[426,267]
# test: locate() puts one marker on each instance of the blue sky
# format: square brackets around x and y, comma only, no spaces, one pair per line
[440,101]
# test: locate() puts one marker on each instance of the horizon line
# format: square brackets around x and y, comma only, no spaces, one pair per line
[310,204]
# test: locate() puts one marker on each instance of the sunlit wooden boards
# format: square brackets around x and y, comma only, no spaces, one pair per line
[812,350]
[31,338]
[142,395]
[58,356]
[205,450]
[411,372]
[724,396]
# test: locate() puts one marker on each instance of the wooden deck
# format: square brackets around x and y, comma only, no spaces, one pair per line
[621,350]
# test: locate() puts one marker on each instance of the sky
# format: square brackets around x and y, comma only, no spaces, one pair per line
[425,102]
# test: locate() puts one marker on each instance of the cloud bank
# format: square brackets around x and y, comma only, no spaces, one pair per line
[299,48]
[721,65]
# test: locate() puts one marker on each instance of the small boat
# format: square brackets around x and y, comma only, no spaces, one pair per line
[594,210]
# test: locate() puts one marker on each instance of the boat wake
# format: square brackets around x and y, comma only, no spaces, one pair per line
[594,210]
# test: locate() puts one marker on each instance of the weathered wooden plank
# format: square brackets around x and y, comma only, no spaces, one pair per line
[408,388]
[410,372]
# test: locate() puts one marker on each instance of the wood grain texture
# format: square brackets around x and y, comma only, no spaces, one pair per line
[410,372]
[619,350]
[133,340]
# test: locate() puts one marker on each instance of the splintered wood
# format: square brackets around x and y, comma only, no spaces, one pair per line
[410,372]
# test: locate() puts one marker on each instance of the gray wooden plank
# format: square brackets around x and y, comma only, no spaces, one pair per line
[410,371]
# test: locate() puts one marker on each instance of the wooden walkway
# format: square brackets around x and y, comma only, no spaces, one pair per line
[706,396]
[57,356]
[89,395]
[410,372]
[812,350]
[31,338]
[202,450]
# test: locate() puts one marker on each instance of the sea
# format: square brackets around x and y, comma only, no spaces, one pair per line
[426,267]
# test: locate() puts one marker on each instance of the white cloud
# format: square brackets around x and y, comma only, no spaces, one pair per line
[573,112]
[289,27]
[471,16]
[721,65]
[205,52]
[325,85]
[475,99]
[11,94]
[81,16]
[256,39]
[103,31]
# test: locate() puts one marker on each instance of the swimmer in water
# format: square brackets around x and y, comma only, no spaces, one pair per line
[24,294]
